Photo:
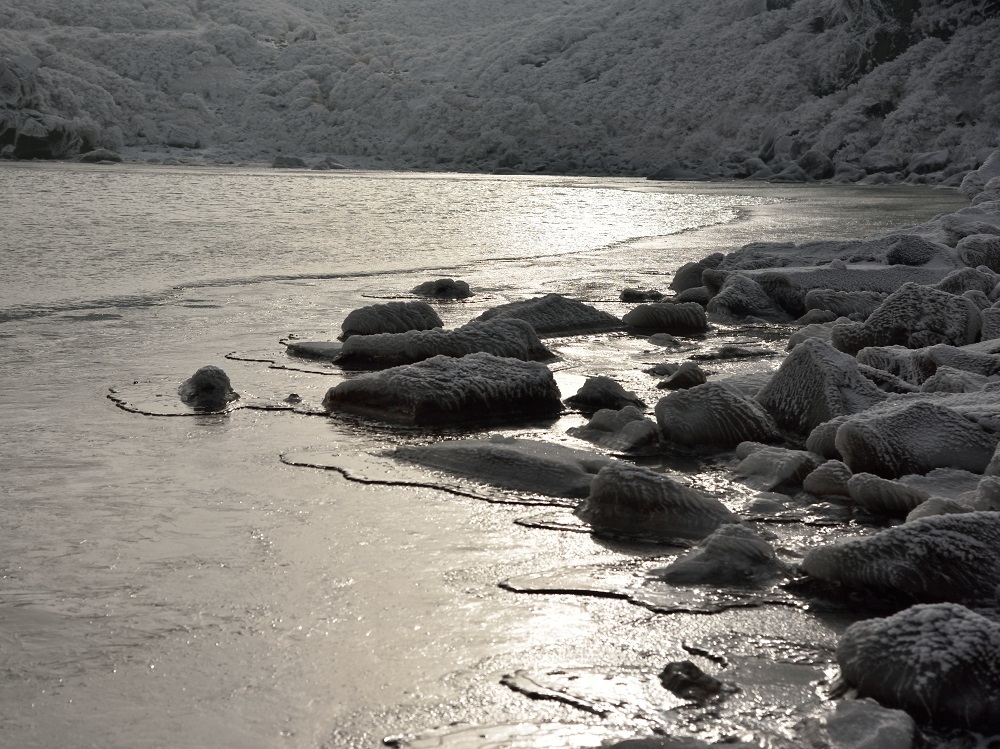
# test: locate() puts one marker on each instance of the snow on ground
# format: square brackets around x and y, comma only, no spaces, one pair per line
[617,87]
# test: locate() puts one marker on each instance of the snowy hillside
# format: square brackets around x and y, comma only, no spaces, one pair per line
[595,86]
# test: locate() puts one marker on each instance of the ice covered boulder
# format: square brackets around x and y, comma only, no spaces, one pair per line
[962,280]
[713,416]
[554,314]
[814,384]
[912,249]
[208,388]
[512,463]
[956,226]
[687,375]
[897,361]
[938,558]
[686,318]
[515,339]
[603,392]
[914,316]
[741,297]
[622,430]
[857,724]
[822,331]
[323,350]
[443,288]
[976,180]
[446,390]
[628,501]
[393,317]
[951,380]
[937,506]
[879,496]
[857,305]
[732,555]
[980,249]
[828,479]
[767,467]
[914,436]
[688,276]
[927,162]
[101,154]
[939,662]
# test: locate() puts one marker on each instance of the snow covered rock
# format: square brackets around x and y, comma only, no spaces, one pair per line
[857,724]
[713,416]
[100,154]
[628,501]
[443,288]
[323,350]
[951,380]
[512,463]
[928,162]
[980,249]
[879,496]
[939,558]
[515,339]
[828,479]
[554,314]
[686,318]
[767,468]
[976,180]
[741,297]
[937,506]
[687,375]
[208,388]
[393,317]
[936,661]
[622,430]
[912,249]
[603,392]
[914,436]
[914,316]
[962,280]
[732,555]
[855,304]
[445,390]
[814,384]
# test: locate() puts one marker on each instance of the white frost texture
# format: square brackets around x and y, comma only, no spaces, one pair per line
[612,87]
[446,390]
[937,661]
[510,338]
[628,501]
[939,558]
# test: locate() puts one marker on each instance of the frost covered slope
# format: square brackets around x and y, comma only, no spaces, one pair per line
[604,86]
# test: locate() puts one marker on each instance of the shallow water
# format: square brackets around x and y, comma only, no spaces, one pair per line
[172,581]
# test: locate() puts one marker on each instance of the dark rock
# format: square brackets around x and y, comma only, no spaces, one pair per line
[640,295]
[443,288]
[686,680]
[208,389]
[816,165]
[288,162]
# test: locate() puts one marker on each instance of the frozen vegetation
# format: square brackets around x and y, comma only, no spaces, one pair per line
[807,89]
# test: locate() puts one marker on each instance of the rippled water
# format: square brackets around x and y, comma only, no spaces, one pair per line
[169,581]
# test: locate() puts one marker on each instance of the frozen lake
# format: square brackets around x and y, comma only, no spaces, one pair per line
[168,581]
